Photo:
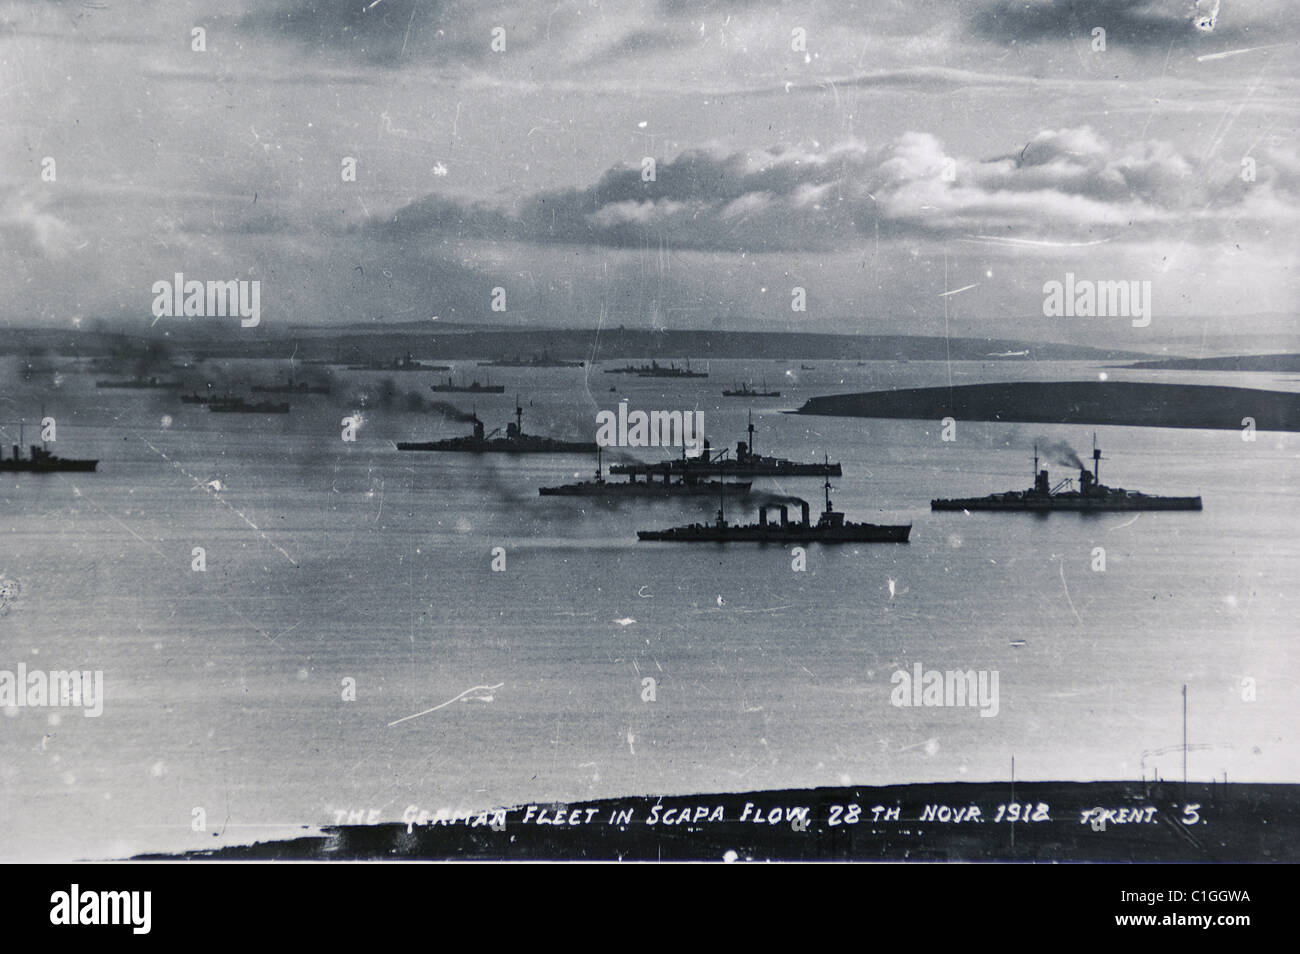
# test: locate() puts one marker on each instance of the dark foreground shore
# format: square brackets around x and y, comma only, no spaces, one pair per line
[1035,821]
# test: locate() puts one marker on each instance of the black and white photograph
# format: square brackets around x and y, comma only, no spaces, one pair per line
[649,431]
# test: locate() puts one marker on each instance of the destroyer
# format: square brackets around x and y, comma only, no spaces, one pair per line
[831,527]
[744,390]
[515,441]
[472,388]
[1092,495]
[667,487]
[746,463]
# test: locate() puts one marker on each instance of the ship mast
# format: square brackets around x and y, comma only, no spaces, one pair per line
[1035,475]
[827,459]
[751,433]
[1096,460]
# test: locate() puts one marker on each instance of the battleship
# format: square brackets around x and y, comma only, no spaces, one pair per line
[831,527]
[746,463]
[236,405]
[472,388]
[744,390]
[1091,496]
[39,460]
[291,387]
[514,442]
[656,370]
[543,360]
[667,487]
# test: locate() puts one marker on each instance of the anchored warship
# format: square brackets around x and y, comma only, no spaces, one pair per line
[237,405]
[656,370]
[405,363]
[543,360]
[744,390]
[39,460]
[667,487]
[831,527]
[514,442]
[141,384]
[746,463]
[472,388]
[290,387]
[1091,496]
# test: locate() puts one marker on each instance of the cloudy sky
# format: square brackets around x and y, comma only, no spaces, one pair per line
[876,154]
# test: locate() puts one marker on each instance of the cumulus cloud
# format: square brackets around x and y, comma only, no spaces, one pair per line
[1064,184]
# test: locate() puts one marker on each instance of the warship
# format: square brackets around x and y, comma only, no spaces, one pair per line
[831,527]
[142,384]
[291,387]
[744,390]
[746,463]
[667,487]
[514,442]
[543,360]
[406,363]
[656,370]
[39,460]
[237,405]
[472,388]
[1091,496]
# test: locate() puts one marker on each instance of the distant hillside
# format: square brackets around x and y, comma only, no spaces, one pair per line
[428,342]
[1123,403]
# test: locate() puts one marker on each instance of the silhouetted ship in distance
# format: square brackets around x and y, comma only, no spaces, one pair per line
[514,442]
[744,390]
[237,405]
[405,363]
[40,460]
[472,388]
[746,463]
[291,387]
[1092,495]
[656,370]
[831,527]
[543,360]
[667,487]
[141,383]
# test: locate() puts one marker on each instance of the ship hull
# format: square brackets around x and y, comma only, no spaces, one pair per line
[1069,504]
[857,533]
[730,469]
[47,467]
[650,490]
[458,446]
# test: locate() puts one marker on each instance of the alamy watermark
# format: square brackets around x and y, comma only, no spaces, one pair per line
[950,688]
[1084,298]
[651,429]
[36,689]
[212,299]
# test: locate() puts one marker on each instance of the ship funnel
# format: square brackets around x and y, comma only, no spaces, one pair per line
[762,516]
[706,449]
[1040,483]
[785,516]
[478,428]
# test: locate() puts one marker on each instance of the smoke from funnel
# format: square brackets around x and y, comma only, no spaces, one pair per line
[765,499]
[1059,452]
